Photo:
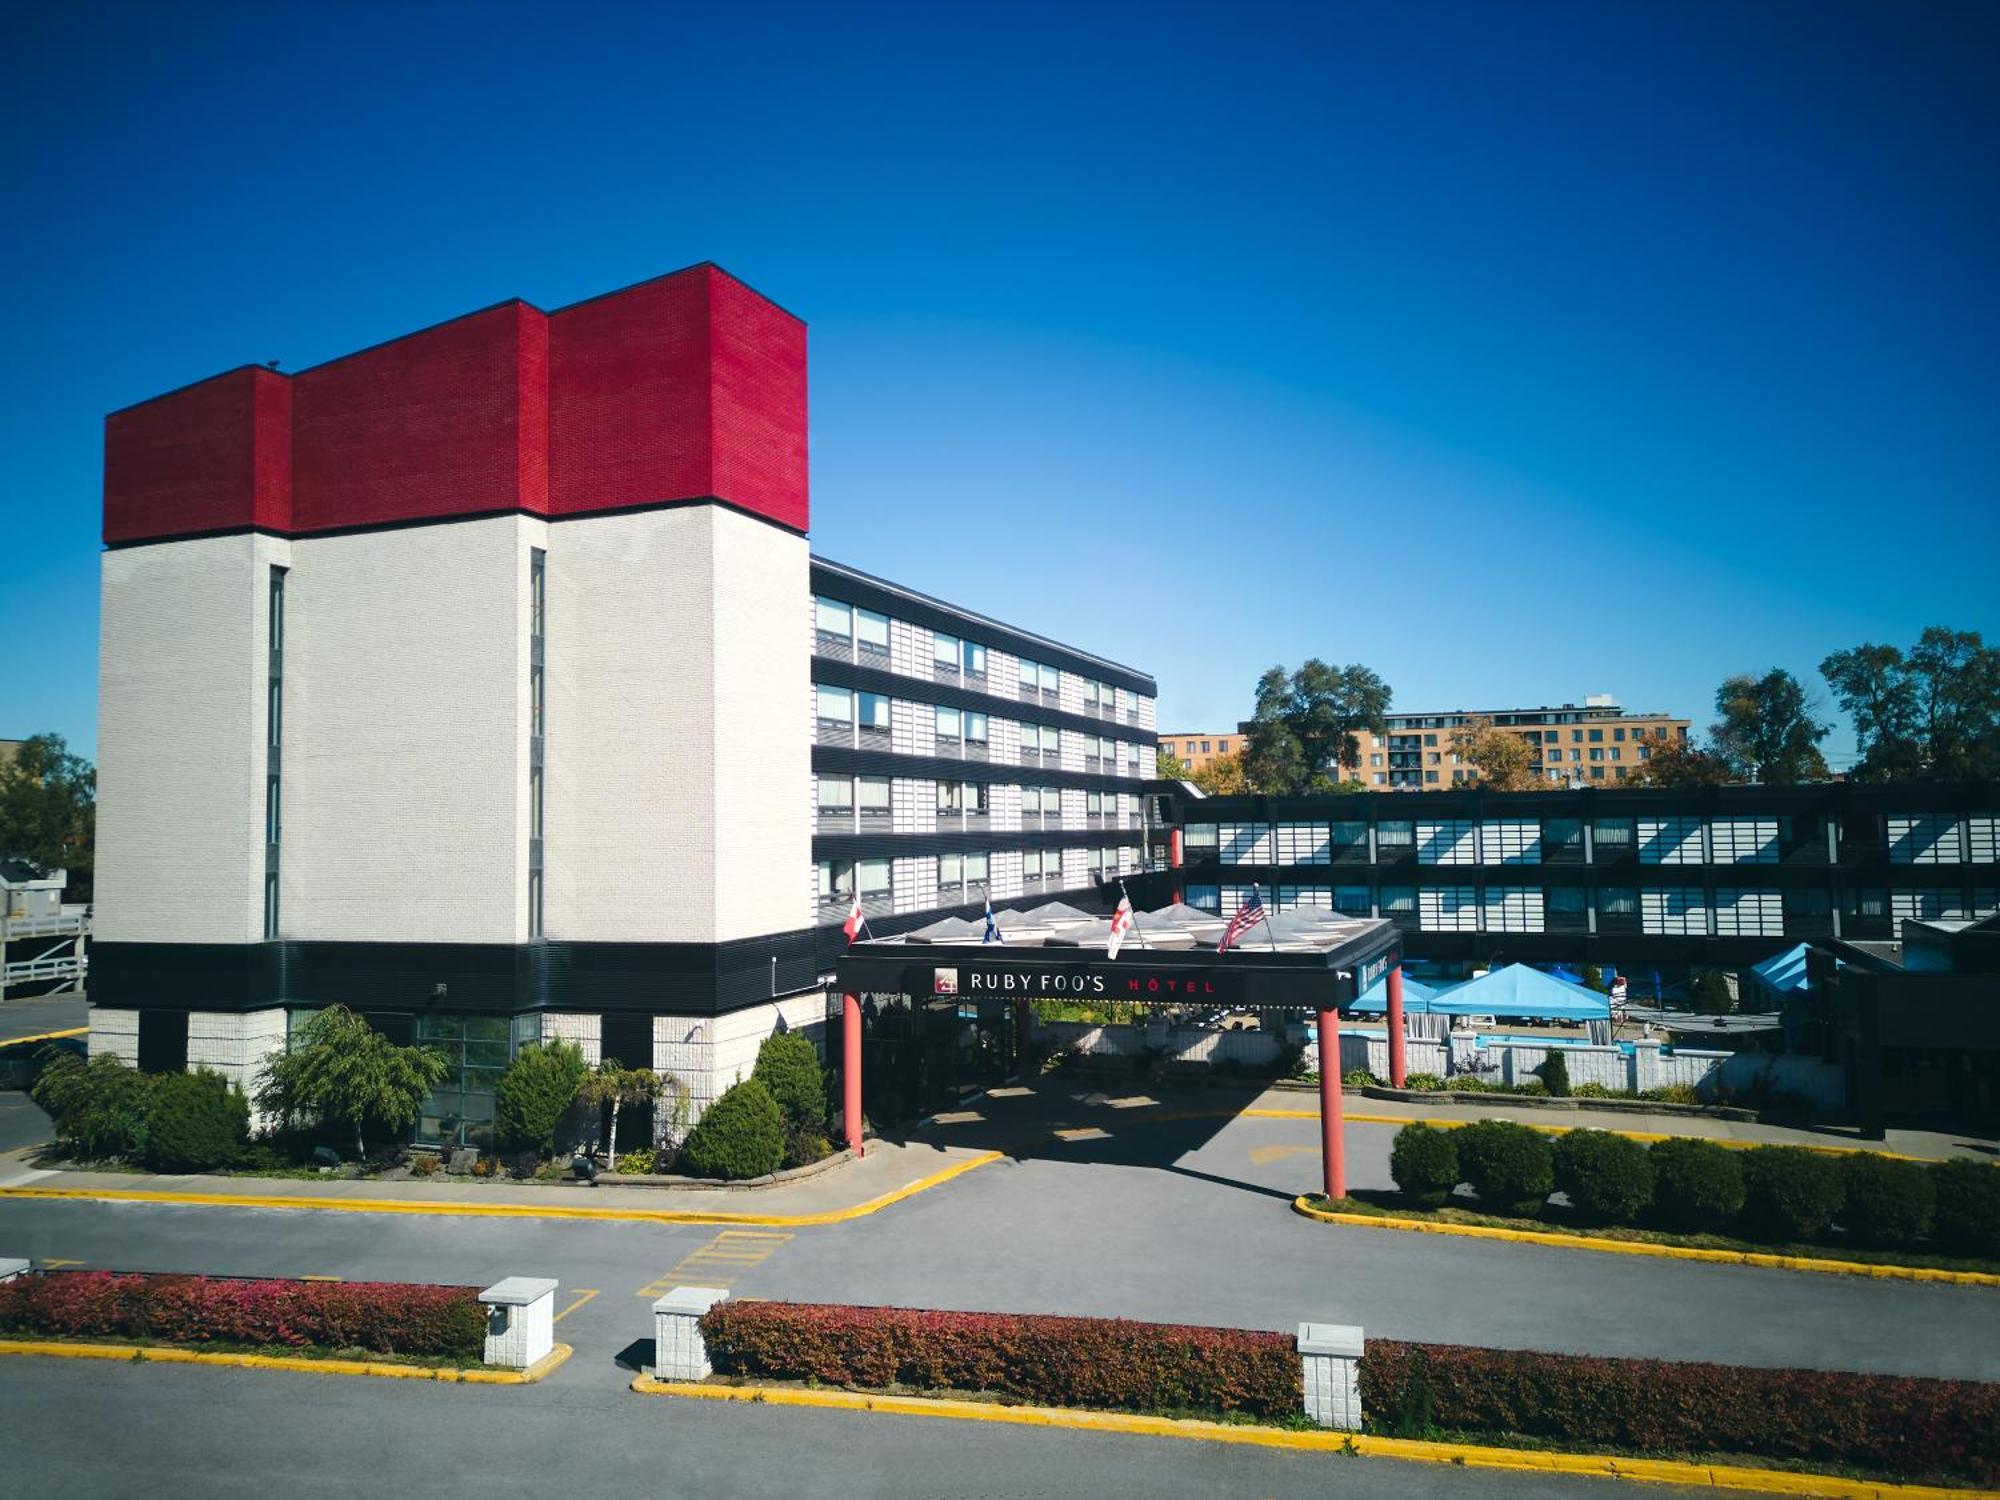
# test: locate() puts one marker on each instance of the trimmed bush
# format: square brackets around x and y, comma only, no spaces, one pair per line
[741,1135]
[195,1122]
[535,1092]
[1358,1078]
[1097,1362]
[806,1144]
[1889,1203]
[1789,1193]
[1897,1424]
[1697,1185]
[99,1107]
[1467,1083]
[1967,1220]
[1590,1091]
[1531,1087]
[1508,1165]
[384,1317]
[1554,1072]
[788,1065]
[1672,1093]
[1423,1083]
[1424,1162]
[1606,1177]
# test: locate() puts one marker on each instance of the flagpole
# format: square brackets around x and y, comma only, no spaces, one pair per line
[1270,932]
[1127,895]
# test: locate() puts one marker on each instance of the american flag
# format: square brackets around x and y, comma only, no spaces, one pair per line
[1248,915]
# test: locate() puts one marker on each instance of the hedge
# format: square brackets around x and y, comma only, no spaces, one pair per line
[1424,1162]
[1096,1362]
[1606,1177]
[1790,1194]
[1508,1165]
[1697,1185]
[1897,1424]
[385,1317]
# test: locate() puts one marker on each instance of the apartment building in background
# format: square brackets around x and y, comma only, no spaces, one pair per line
[1200,748]
[487,680]
[1599,743]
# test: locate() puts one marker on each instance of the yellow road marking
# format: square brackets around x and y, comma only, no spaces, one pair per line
[322,1278]
[43,1036]
[50,1265]
[1646,1470]
[1084,1133]
[1668,1252]
[583,1295]
[719,1262]
[154,1354]
[1262,1155]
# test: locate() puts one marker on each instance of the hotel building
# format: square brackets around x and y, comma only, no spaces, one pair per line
[484,681]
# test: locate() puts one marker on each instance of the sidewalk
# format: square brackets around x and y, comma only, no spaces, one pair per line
[889,1171]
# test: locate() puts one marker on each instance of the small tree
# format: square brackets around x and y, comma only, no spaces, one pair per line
[741,1135]
[1554,1073]
[612,1083]
[537,1089]
[788,1065]
[1593,979]
[196,1121]
[1168,766]
[345,1072]
[1708,994]
[99,1107]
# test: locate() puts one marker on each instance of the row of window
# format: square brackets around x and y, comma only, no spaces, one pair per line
[841,711]
[852,633]
[959,878]
[839,797]
[1667,911]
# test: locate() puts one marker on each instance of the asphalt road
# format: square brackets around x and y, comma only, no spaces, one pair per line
[21,1123]
[109,1431]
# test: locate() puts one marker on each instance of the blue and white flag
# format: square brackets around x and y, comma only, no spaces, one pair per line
[992,933]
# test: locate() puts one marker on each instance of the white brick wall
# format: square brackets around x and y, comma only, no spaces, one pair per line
[707,1054]
[181,732]
[587,1031]
[114,1033]
[1003,674]
[1005,812]
[1004,744]
[240,1046]
[1069,693]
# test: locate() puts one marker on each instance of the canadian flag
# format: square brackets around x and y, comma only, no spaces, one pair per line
[1121,923]
[855,921]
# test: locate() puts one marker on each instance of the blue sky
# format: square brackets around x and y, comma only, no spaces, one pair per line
[1517,350]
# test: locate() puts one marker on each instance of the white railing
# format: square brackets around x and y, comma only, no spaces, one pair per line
[67,924]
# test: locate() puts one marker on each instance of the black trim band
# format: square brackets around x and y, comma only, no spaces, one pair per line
[859,762]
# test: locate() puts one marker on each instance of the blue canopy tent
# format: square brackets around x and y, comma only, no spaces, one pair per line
[1374,1000]
[1518,991]
[1785,972]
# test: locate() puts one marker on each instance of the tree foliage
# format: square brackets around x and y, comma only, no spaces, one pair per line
[1679,762]
[1505,762]
[345,1072]
[1767,732]
[1708,994]
[195,1122]
[99,1107]
[536,1091]
[788,1065]
[741,1135]
[612,1083]
[1933,711]
[1223,776]
[1168,766]
[48,811]
[1303,730]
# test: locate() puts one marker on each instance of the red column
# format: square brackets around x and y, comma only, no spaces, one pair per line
[1024,1037]
[1395,1026]
[850,1069]
[1332,1152]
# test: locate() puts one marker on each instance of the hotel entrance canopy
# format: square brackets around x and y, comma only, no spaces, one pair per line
[1299,961]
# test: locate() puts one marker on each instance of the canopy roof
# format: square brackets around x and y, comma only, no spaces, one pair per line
[1517,992]
[1374,1000]
[1784,972]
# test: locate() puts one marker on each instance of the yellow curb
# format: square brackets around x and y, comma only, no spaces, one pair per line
[42,1036]
[1667,1252]
[508,1210]
[1351,1118]
[1647,1470]
[152,1354]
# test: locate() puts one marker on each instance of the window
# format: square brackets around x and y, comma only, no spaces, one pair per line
[871,631]
[832,618]
[1749,913]
[975,727]
[1596,736]
[1093,804]
[1612,837]
[476,1048]
[273,763]
[1448,908]
[873,796]
[1674,910]
[974,658]
[1051,679]
[1595,753]
[1576,737]
[975,870]
[1399,902]
[951,874]
[1205,898]
[1031,739]
[1511,841]
[1198,836]
[836,881]
[947,724]
[1562,838]
[1395,838]
[1563,901]
[1744,841]
[1222,747]
[1204,747]
[1923,840]
[1051,802]
[1302,843]
[978,798]
[944,651]
[836,796]
[874,710]
[1446,843]
[951,797]
[1028,671]
[1618,734]
[1670,841]
[1430,776]
[873,877]
[835,704]
[1618,901]
[1031,864]
[1351,900]
[1375,760]
[1246,843]
[1089,692]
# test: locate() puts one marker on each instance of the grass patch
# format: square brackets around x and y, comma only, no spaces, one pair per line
[1556,1218]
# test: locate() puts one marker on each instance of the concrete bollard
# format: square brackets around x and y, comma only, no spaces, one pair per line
[520,1321]
[1331,1354]
[679,1351]
[9,1269]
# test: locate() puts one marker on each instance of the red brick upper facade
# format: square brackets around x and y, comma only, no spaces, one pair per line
[687,387]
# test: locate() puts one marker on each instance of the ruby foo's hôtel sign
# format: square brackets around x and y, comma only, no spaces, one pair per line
[1158,984]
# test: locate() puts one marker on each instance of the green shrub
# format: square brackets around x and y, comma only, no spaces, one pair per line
[99,1107]
[536,1092]
[788,1065]
[1554,1072]
[1424,1162]
[1467,1083]
[1358,1078]
[1672,1093]
[1894,1424]
[741,1135]
[635,1163]
[1697,1185]
[195,1122]
[1968,1207]
[1423,1083]
[1591,1091]
[1889,1203]
[806,1144]
[1508,1165]
[1606,1177]
[1593,979]
[1789,1193]
[1533,1087]
[1708,994]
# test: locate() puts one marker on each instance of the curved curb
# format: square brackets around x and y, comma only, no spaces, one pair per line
[421,1207]
[42,1036]
[1355,1444]
[1666,1252]
[156,1354]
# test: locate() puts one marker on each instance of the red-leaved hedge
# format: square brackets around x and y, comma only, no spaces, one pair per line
[1101,1362]
[1898,1424]
[385,1317]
